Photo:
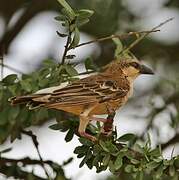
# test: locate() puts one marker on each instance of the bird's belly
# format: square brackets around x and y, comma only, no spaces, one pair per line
[104,108]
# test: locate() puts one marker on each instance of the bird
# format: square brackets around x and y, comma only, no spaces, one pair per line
[97,94]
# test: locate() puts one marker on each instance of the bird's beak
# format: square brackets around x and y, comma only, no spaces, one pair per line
[145,70]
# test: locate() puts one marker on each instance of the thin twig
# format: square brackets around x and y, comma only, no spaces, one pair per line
[11,68]
[66,48]
[36,144]
[143,36]
[25,161]
[114,36]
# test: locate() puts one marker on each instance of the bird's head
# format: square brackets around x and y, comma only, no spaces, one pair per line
[134,68]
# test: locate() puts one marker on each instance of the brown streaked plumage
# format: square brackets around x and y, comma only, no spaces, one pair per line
[97,94]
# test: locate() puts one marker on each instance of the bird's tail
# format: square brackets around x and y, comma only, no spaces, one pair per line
[28,100]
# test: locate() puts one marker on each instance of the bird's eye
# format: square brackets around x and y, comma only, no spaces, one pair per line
[135,65]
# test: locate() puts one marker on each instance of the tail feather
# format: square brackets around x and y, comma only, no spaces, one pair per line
[28,100]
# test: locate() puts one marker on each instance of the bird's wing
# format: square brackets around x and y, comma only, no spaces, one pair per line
[93,89]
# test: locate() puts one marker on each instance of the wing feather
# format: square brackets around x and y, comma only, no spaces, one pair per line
[84,92]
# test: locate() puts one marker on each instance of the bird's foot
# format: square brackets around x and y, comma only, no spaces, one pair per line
[88,136]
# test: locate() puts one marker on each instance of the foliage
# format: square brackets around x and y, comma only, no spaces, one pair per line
[129,154]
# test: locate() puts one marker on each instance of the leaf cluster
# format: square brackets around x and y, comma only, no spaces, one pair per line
[117,156]
[14,119]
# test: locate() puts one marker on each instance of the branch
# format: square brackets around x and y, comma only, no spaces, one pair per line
[25,161]
[36,144]
[172,141]
[11,68]
[66,48]
[4,163]
[144,35]
[114,36]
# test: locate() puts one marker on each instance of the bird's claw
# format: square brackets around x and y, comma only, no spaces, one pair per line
[88,136]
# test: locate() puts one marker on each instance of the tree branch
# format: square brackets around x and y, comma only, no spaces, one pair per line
[11,68]
[172,141]
[66,48]
[113,36]
[25,161]
[36,144]
[143,36]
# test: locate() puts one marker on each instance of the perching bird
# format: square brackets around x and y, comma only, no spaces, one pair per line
[98,94]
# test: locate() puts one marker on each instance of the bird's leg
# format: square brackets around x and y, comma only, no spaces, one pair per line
[84,120]
[82,127]
[108,125]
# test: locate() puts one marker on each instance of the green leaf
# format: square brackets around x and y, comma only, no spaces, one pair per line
[96,149]
[152,165]
[89,64]
[9,80]
[69,135]
[85,141]
[89,163]
[106,159]
[111,166]
[76,38]
[83,162]
[85,159]
[103,145]
[96,160]
[67,7]
[56,126]
[126,137]
[26,85]
[155,152]
[71,70]
[61,34]
[60,18]
[68,161]
[129,168]
[5,150]
[109,147]
[81,22]
[85,13]
[81,149]
[135,161]
[72,27]
[118,162]
[49,63]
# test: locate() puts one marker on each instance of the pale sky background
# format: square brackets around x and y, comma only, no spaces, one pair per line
[32,41]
